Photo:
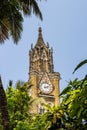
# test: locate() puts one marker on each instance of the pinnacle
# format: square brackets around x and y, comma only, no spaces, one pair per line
[40,32]
[40,40]
[40,29]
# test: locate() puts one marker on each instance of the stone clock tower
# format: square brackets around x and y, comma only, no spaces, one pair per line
[45,82]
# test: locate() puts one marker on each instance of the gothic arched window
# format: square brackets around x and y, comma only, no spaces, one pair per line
[41,109]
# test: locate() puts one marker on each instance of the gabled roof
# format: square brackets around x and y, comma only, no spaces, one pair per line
[45,78]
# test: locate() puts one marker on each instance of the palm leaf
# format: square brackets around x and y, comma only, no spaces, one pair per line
[4,30]
[27,6]
[80,64]
[36,9]
[65,90]
[16,25]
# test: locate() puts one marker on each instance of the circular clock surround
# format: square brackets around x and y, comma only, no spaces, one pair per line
[46,87]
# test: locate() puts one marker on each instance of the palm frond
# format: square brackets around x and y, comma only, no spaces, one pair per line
[11,17]
[36,9]
[80,65]
[29,6]
[4,30]
[65,90]
[16,25]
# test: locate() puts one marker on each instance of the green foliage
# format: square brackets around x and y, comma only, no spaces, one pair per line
[51,120]
[75,104]
[54,117]
[70,115]
[19,103]
[38,123]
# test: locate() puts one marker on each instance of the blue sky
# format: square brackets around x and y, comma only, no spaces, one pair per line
[64,26]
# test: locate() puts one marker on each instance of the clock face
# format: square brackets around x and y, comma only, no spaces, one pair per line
[46,88]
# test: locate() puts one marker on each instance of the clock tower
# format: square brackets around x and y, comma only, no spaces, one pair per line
[45,82]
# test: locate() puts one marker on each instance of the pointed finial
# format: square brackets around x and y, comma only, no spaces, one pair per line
[32,46]
[51,49]
[40,41]
[47,44]
[40,32]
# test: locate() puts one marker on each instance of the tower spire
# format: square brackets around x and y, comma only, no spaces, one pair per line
[39,32]
[40,41]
